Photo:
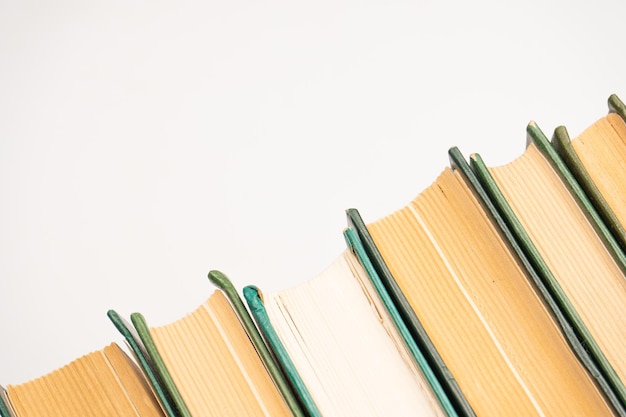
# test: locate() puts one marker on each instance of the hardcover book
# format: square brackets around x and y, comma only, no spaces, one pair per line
[571,248]
[597,159]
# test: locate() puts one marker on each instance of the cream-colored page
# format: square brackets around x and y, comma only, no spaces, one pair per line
[346,358]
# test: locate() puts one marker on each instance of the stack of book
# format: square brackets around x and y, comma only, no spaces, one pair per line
[496,291]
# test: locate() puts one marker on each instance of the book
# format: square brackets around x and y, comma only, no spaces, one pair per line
[255,302]
[5,409]
[596,158]
[501,343]
[226,286]
[571,248]
[411,322]
[209,364]
[143,360]
[344,345]
[105,382]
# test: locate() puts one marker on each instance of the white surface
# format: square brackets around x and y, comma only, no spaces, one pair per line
[143,144]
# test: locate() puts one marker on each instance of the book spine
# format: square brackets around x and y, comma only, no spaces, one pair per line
[574,329]
[5,405]
[417,332]
[547,149]
[253,297]
[223,283]
[356,246]
[562,144]
[141,355]
[159,365]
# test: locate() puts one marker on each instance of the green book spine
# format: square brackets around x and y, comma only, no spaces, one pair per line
[563,145]
[5,405]
[408,317]
[222,282]
[136,346]
[598,366]
[547,149]
[617,106]
[354,243]
[578,347]
[255,301]
[159,365]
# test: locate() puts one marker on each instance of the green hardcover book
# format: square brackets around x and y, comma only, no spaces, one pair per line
[5,405]
[223,283]
[143,331]
[406,318]
[413,325]
[254,298]
[463,282]
[133,341]
[332,332]
[569,247]
[210,363]
[596,159]
[354,243]
[580,349]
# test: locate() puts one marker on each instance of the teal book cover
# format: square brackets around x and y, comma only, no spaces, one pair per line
[291,398]
[254,298]
[5,408]
[256,304]
[354,243]
[413,325]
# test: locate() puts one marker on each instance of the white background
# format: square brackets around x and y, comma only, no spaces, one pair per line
[143,144]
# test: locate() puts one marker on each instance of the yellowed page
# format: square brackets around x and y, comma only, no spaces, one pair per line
[133,382]
[88,386]
[572,249]
[215,365]
[602,150]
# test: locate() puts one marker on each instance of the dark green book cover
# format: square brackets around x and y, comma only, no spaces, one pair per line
[143,331]
[5,410]
[597,364]
[133,341]
[291,398]
[563,145]
[443,375]
[355,244]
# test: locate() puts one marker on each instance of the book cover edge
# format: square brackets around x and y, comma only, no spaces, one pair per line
[416,329]
[136,346]
[221,281]
[254,298]
[607,378]
[141,326]
[354,243]
[578,347]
